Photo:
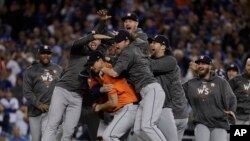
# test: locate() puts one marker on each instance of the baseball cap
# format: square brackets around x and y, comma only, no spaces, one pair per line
[232,67]
[204,59]
[122,35]
[45,49]
[131,16]
[93,57]
[160,39]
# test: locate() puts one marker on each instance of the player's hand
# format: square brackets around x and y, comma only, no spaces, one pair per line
[43,107]
[231,113]
[102,71]
[95,107]
[194,67]
[101,36]
[114,33]
[106,88]
[101,74]
[103,14]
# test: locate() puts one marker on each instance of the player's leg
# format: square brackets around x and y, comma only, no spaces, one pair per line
[44,121]
[153,101]
[202,133]
[137,124]
[181,125]
[167,125]
[106,119]
[35,128]
[123,121]
[72,115]
[56,110]
[218,134]
[91,119]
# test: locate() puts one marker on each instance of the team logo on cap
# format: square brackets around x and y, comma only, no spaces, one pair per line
[212,84]
[46,47]
[129,14]
[202,57]
[232,65]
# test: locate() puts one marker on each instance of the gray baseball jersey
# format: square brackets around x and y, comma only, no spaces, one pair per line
[136,64]
[241,87]
[68,93]
[167,71]
[70,77]
[38,85]
[209,99]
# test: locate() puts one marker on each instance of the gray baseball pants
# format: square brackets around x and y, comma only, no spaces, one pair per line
[122,123]
[203,133]
[167,125]
[148,114]
[181,125]
[67,103]
[37,126]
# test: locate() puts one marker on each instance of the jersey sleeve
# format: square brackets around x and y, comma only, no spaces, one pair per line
[123,62]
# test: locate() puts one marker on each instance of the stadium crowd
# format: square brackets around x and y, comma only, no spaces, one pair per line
[219,29]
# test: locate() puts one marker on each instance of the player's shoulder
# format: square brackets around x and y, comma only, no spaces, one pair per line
[28,68]
[32,65]
[192,82]
[237,78]
[170,58]
[56,65]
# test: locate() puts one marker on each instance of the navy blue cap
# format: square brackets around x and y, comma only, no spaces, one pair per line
[45,49]
[122,35]
[204,59]
[232,67]
[131,16]
[160,39]
[93,57]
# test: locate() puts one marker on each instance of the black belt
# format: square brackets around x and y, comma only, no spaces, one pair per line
[135,103]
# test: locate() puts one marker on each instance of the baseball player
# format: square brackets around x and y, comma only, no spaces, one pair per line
[166,70]
[67,96]
[38,84]
[133,62]
[212,101]
[122,102]
[240,85]
[130,23]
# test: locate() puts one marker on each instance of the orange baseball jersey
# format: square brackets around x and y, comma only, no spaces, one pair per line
[124,91]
